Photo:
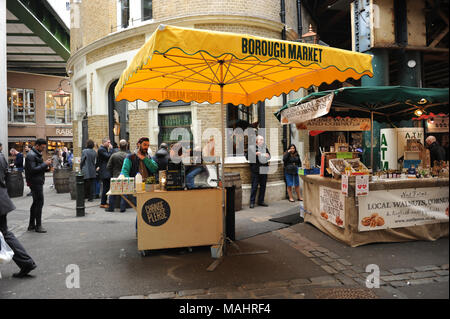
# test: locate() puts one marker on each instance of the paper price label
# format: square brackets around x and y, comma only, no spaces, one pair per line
[344,185]
[362,185]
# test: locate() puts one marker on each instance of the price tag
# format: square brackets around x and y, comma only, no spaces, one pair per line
[362,185]
[344,185]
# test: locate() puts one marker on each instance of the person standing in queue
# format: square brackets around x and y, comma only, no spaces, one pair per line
[18,161]
[103,155]
[291,160]
[35,168]
[87,165]
[21,257]
[258,155]
[114,166]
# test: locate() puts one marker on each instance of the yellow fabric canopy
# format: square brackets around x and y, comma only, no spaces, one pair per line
[205,66]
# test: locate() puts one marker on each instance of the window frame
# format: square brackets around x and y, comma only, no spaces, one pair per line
[28,105]
[143,18]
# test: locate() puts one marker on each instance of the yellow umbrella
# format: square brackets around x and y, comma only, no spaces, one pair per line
[205,66]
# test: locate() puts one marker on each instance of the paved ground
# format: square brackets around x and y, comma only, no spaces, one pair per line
[267,260]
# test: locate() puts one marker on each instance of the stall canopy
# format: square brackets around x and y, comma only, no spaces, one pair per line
[388,103]
[182,64]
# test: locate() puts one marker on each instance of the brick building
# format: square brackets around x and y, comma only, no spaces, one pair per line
[105,35]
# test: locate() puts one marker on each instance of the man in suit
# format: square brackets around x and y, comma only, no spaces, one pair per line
[35,168]
[104,153]
[258,156]
[21,257]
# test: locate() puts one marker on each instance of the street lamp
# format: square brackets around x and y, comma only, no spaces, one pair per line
[60,96]
[310,36]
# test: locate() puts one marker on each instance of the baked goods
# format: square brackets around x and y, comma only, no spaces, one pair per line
[324,215]
[373,221]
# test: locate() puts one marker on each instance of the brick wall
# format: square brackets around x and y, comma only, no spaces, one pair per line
[112,49]
[138,123]
[239,28]
[98,128]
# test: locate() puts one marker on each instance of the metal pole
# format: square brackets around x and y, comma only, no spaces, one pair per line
[222,112]
[371,142]
[80,194]
[3,80]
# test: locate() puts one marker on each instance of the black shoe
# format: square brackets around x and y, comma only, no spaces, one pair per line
[31,228]
[263,205]
[109,210]
[252,205]
[122,211]
[24,271]
[90,200]
[40,229]
[29,194]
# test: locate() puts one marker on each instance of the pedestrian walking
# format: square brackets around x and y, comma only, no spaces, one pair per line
[114,166]
[258,156]
[437,152]
[87,165]
[292,162]
[21,257]
[103,155]
[35,168]
[26,149]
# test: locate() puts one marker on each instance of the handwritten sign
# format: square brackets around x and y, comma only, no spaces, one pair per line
[362,185]
[307,111]
[403,208]
[336,124]
[438,125]
[332,206]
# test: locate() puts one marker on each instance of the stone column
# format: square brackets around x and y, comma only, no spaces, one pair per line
[3,86]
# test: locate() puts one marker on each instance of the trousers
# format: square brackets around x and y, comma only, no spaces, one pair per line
[261,180]
[21,257]
[37,191]
[106,183]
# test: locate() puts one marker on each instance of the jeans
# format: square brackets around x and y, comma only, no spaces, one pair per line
[261,180]
[105,188]
[191,176]
[37,192]
[112,201]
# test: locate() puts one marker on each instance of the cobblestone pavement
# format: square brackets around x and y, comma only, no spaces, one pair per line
[344,280]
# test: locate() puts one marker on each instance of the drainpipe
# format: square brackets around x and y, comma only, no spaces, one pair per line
[283,37]
[299,18]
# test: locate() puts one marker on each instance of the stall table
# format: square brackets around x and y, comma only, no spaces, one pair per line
[411,209]
[171,219]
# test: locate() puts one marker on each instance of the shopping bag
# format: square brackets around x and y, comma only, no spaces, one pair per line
[6,253]
[341,145]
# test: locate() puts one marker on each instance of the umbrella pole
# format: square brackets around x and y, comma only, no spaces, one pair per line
[222,112]
[371,141]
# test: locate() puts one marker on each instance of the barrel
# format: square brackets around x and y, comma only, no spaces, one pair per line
[14,184]
[61,178]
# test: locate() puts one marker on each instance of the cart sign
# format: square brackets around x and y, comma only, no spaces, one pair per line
[403,208]
[156,212]
[336,124]
[332,206]
[307,111]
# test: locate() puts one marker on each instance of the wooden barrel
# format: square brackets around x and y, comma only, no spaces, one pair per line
[14,184]
[61,178]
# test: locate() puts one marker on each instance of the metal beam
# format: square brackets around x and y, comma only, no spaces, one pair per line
[34,24]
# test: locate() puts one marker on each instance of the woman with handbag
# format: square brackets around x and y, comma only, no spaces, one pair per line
[291,160]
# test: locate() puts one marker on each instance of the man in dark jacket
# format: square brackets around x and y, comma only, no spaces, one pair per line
[258,156]
[104,153]
[35,168]
[18,162]
[162,157]
[21,257]
[115,167]
[437,152]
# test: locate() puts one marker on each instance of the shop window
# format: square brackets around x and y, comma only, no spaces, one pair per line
[146,10]
[56,113]
[21,106]
[169,122]
[243,117]
[54,144]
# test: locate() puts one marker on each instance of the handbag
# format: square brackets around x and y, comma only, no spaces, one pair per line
[341,145]
[6,253]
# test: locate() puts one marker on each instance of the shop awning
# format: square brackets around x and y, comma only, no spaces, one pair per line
[386,102]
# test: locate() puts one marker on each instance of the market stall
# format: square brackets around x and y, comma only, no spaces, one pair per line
[405,199]
[182,64]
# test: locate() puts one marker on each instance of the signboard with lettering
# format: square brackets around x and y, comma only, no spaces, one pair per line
[362,185]
[64,132]
[437,125]
[403,208]
[336,124]
[307,111]
[332,206]
[155,212]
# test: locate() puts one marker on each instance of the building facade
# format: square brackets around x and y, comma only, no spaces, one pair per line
[106,34]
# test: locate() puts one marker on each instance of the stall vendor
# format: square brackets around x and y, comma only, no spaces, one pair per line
[139,161]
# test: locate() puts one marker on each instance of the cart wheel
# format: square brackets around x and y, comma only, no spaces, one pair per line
[143,253]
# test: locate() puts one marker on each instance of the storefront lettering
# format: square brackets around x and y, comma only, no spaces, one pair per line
[64,131]
[278,50]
